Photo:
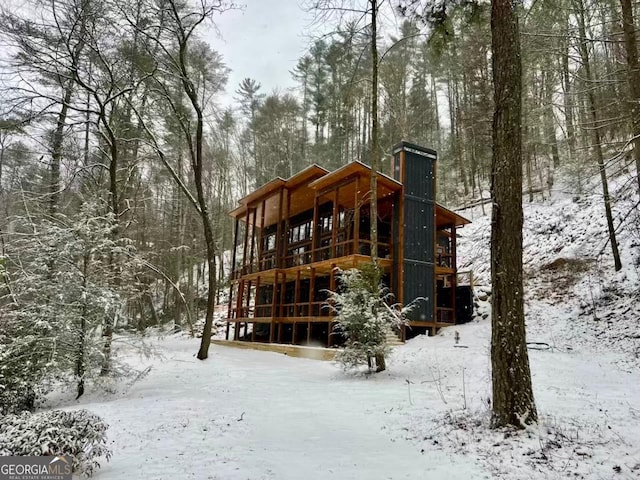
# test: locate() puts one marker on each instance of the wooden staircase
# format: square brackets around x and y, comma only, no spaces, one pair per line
[393,339]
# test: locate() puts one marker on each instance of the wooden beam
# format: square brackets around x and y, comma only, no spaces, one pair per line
[279,232]
[255,312]
[261,237]
[356,217]
[274,294]
[232,284]
[247,306]
[238,308]
[332,287]
[316,319]
[322,267]
[287,226]
[245,242]
[334,223]
[235,247]
[316,234]
[296,300]
[345,181]
[253,240]
[312,291]
[282,294]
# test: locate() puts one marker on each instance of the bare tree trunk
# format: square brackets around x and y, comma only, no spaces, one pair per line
[595,131]
[549,126]
[568,104]
[633,72]
[56,150]
[80,355]
[513,402]
[197,162]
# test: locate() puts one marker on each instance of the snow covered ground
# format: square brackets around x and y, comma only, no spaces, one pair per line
[258,415]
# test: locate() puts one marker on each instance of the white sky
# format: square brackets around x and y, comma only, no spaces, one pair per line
[263,41]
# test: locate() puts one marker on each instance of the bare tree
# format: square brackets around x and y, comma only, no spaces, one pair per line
[595,125]
[633,73]
[174,43]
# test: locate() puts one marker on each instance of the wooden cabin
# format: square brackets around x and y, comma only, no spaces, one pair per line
[290,235]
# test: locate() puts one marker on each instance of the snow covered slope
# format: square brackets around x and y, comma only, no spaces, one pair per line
[574,298]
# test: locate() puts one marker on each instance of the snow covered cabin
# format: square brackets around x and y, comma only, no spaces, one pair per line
[290,235]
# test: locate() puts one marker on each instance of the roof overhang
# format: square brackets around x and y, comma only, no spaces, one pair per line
[446,217]
[352,170]
[295,189]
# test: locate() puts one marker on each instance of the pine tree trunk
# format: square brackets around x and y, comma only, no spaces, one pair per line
[374,134]
[375,152]
[513,402]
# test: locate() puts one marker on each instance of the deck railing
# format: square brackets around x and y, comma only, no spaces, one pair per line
[445,315]
[300,309]
[303,254]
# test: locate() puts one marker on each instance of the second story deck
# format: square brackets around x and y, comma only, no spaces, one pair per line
[312,217]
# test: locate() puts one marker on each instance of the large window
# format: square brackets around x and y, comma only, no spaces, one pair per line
[269,242]
[301,232]
[299,248]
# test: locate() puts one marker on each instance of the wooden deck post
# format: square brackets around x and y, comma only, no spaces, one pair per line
[282,294]
[296,309]
[274,295]
[255,309]
[235,246]
[245,243]
[334,223]
[279,234]
[261,237]
[316,234]
[356,218]
[236,333]
[287,226]
[332,287]
[232,284]
[247,306]
[296,300]
[312,288]
[253,240]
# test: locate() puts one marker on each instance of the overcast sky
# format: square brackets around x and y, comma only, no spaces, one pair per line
[263,41]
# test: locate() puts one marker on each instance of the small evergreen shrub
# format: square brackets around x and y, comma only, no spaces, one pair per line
[365,317]
[78,433]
